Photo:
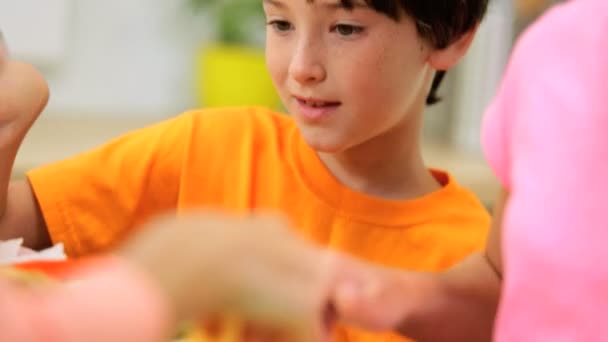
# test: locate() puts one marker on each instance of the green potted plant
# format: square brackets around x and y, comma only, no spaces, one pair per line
[232,71]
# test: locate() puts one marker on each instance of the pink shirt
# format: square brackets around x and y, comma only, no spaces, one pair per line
[110,303]
[546,136]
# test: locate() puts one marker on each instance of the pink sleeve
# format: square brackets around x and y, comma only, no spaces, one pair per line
[114,303]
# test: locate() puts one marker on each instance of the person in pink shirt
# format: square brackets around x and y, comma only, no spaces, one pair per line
[546,137]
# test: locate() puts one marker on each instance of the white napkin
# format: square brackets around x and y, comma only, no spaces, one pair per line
[12,252]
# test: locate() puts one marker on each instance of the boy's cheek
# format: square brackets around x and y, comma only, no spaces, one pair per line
[278,66]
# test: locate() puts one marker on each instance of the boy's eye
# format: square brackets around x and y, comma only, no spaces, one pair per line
[280,25]
[347,30]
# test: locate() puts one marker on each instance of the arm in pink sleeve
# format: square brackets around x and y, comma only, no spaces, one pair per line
[113,303]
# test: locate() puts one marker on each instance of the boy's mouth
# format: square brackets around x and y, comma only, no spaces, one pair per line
[314,110]
[316,103]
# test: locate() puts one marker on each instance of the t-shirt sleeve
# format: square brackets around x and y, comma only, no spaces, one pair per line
[89,202]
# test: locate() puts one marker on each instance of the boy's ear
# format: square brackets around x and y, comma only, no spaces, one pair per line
[444,59]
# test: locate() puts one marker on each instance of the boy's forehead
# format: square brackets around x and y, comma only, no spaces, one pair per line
[325,3]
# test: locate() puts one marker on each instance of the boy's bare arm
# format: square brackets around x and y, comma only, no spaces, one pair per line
[23,95]
[22,217]
[457,305]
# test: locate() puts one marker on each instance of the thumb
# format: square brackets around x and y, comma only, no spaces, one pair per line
[368,306]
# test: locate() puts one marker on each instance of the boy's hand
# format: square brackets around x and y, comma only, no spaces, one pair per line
[456,305]
[252,267]
[374,297]
[23,95]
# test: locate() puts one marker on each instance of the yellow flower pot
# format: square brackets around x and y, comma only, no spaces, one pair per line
[233,76]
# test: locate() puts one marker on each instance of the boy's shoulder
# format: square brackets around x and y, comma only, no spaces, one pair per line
[458,223]
[454,201]
[234,123]
[233,117]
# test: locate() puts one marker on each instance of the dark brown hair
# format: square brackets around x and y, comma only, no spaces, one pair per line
[440,22]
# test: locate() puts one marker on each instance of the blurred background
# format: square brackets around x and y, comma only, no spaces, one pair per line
[115,65]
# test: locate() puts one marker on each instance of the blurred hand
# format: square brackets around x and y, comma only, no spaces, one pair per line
[373,297]
[251,267]
[456,305]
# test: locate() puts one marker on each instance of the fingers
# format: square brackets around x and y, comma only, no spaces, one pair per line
[354,305]
[369,296]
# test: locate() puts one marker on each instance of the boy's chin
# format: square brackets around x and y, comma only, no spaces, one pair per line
[325,144]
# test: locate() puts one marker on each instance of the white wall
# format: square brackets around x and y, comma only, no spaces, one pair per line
[119,57]
[478,76]
[36,35]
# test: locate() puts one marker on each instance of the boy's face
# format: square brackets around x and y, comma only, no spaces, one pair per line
[346,76]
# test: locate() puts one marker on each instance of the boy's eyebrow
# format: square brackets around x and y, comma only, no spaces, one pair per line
[274,3]
[342,5]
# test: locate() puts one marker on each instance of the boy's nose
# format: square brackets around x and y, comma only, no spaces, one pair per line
[306,67]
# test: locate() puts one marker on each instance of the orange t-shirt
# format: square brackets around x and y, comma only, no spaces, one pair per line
[239,159]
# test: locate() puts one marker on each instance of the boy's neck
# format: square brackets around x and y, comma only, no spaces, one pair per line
[389,166]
